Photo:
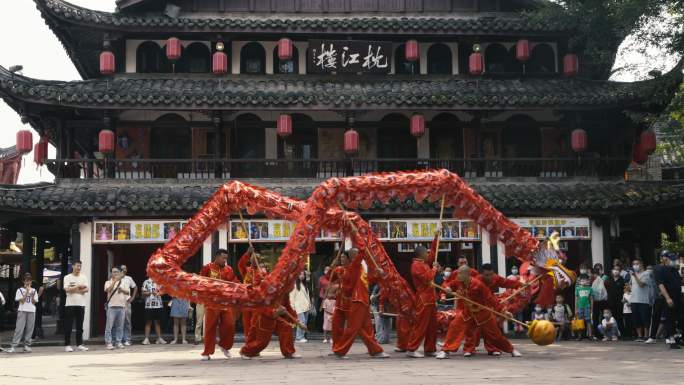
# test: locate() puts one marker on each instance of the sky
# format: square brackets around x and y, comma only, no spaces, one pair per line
[26,40]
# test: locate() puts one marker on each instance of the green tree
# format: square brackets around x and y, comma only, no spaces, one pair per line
[602,26]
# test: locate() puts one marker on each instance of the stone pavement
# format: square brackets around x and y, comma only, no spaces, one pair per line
[565,363]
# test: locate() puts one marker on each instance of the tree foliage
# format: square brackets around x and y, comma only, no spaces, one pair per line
[602,26]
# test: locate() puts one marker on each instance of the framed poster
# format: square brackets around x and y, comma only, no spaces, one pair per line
[568,228]
[122,231]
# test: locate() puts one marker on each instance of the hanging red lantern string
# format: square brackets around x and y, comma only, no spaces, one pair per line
[351,142]
[40,151]
[106,141]
[107,63]
[412,51]
[648,141]
[174,49]
[24,141]
[570,65]
[284,126]
[522,50]
[418,125]
[476,62]
[578,140]
[285,49]
[219,60]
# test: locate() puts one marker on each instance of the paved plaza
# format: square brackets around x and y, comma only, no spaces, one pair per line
[565,363]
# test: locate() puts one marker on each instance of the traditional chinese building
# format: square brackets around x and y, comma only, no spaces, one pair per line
[180,96]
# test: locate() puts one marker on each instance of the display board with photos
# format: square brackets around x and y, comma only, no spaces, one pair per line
[136,231]
[424,229]
[410,247]
[568,228]
[270,231]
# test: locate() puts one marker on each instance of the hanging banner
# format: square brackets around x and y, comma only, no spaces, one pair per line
[135,231]
[568,228]
[349,56]
[270,231]
[424,230]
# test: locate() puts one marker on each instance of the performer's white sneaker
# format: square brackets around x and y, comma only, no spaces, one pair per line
[467,354]
[415,354]
[292,356]
[340,357]
[397,350]
[244,357]
[442,355]
[226,352]
[206,358]
[496,354]
[516,353]
[380,355]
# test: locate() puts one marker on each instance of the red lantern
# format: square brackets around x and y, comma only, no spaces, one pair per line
[351,142]
[412,50]
[476,64]
[40,151]
[417,125]
[107,63]
[578,140]
[220,63]
[648,141]
[285,49]
[106,141]
[639,155]
[570,65]
[24,141]
[173,49]
[522,50]
[284,126]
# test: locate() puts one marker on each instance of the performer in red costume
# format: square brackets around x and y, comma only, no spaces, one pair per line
[224,319]
[251,274]
[339,318]
[403,334]
[473,317]
[423,270]
[494,282]
[358,323]
[267,321]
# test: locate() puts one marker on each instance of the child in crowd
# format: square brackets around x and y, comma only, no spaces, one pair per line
[584,303]
[328,308]
[180,309]
[627,311]
[561,316]
[609,327]
[538,314]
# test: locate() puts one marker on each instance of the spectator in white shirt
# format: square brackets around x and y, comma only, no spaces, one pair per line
[134,292]
[26,315]
[609,326]
[76,287]
[117,293]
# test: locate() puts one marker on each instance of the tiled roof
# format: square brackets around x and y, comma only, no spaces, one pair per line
[332,92]
[73,198]
[300,23]
[8,152]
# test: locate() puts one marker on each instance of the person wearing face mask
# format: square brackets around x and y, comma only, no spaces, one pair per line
[640,299]
[669,303]
[515,276]
[609,327]
[615,286]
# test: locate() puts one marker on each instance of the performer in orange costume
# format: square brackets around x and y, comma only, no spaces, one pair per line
[265,322]
[472,317]
[494,282]
[403,334]
[423,270]
[355,287]
[224,319]
[251,275]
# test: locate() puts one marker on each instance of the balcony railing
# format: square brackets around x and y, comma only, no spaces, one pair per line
[602,168]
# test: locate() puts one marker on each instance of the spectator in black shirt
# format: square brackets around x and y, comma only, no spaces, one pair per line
[669,302]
